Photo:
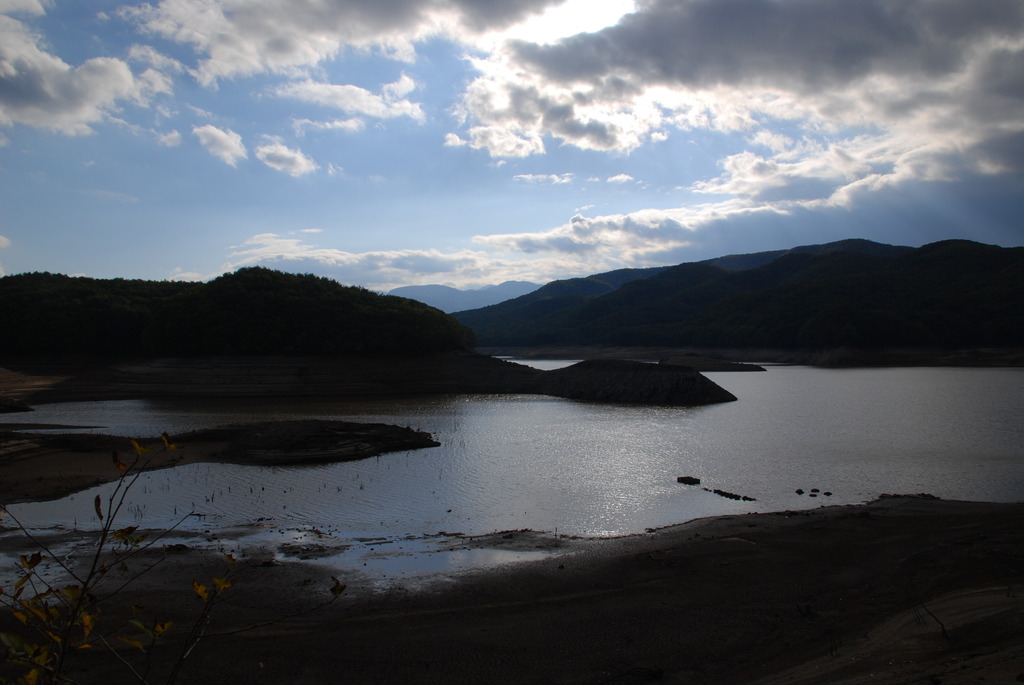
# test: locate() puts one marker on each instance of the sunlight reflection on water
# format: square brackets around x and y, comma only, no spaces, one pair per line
[526,461]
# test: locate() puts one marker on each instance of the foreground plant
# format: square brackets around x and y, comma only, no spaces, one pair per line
[59,621]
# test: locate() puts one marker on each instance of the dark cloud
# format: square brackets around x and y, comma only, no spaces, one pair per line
[795,44]
[1003,153]
[563,122]
[481,15]
[939,75]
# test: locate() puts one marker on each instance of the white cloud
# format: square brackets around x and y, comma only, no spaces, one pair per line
[277,155]
[244,37]
[170,139]
[773,140]
[225,145]
[552,179]
[180,274]
[811,173]
[345,125]
[353,99]
[150,55]
[505,142]
[453,140]
[39,89]
[35,7]
[384,270]
[620,178]
[587,245]
[378,270]
[398,89]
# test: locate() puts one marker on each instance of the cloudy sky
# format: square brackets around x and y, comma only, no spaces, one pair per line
[469,142]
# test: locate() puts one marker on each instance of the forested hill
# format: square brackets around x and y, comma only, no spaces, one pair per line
[254,311]
[517,319]
[950,294]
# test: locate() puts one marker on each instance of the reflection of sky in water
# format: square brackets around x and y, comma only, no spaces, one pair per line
[512,462]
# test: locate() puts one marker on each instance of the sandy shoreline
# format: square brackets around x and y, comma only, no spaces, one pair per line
[901,590]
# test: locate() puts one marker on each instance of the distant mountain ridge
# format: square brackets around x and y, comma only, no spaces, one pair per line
[850,293]
[449,299]
[739,262]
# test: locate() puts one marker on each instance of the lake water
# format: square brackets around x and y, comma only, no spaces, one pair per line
[528,461]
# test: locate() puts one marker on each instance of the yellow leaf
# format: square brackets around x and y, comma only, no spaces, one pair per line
[161,628]
[87,624]
[167,442]
[32,561]
[124,532]
[121,466]
[199,589]
[139,449]
[35,611]
[222,583]
[133,643]
[98,507]
[338,586]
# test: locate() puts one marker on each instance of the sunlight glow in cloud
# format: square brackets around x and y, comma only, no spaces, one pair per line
[923,75]
[568,19]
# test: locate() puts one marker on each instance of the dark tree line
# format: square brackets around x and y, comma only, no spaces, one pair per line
[950,294]
[249,312]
